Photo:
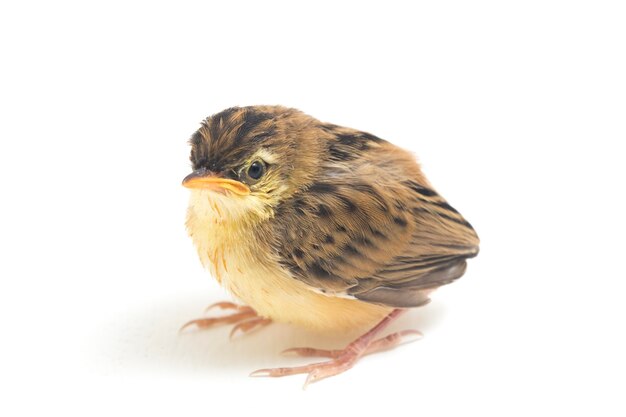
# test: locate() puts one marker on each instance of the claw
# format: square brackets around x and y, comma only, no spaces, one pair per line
[260,372]
[244,318]
[384,343]
[278,372]
[224,305]
[341,360]
[393,340]
[311,352]
[249,326]
[210,322]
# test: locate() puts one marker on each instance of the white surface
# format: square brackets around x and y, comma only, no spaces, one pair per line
[516,111]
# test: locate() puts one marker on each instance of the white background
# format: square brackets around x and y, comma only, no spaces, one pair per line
[516,110]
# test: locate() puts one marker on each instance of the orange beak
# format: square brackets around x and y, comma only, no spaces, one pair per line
[203,179]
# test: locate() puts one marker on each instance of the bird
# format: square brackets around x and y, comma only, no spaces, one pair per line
[320,226]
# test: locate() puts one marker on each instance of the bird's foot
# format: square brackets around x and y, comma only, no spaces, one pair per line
[384,343]
[250,325]
[342,360]
[244,318]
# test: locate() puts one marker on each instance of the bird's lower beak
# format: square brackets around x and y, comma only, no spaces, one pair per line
[203,179]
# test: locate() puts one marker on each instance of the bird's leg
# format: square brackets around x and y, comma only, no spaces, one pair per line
[341,360]
[224,305]
[250,325]
[384,343]
[244,318]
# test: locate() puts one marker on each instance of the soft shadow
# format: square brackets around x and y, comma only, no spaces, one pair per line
[148,340]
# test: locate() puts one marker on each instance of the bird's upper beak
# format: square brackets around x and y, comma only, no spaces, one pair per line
[205,179]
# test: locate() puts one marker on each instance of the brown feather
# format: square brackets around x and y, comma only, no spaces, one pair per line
[342,227]
[372,227]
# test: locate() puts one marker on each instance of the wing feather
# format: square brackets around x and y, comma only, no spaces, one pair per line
[374,229]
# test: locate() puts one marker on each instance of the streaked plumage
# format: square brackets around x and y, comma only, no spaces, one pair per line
[341,228]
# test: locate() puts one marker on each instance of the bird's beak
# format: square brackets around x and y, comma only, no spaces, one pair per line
[204,179]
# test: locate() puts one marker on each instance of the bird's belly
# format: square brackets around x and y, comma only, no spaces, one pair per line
[256,277]
[269,288]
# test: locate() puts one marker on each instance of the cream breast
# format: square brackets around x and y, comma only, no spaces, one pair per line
[221,229]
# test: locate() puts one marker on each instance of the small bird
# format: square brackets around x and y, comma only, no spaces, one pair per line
[317,225]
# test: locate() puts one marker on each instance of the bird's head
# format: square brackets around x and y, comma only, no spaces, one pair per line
[247,160]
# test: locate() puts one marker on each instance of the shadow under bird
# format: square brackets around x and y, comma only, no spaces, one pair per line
[317,225]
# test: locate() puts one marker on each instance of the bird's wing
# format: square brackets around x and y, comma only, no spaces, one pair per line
[375,230]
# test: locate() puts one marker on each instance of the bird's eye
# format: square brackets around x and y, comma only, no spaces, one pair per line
[256,170]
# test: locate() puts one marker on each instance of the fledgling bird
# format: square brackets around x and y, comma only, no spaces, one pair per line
[317,225]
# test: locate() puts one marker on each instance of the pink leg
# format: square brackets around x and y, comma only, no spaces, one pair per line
[224,305]
[248,326]
[341,360]
[244,318]
[384,343]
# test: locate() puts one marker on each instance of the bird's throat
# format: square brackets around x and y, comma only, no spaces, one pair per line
[220,225]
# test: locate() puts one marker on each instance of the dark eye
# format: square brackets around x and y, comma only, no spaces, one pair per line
[256,170]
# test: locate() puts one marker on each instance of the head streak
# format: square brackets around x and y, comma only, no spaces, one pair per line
[228,136]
